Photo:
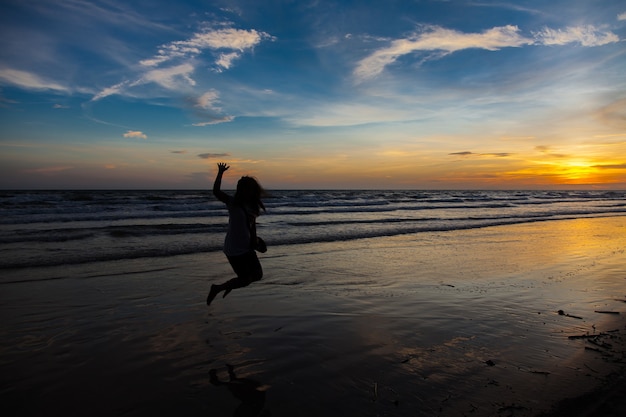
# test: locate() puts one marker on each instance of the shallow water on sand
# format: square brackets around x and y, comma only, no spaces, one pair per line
[447,323]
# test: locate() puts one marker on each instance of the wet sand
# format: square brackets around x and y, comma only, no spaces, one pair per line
[431,324]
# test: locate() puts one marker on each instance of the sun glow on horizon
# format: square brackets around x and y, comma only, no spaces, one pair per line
[578,170]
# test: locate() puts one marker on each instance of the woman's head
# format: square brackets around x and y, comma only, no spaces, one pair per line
[249,193]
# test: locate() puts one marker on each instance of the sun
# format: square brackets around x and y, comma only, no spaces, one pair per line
[575,171]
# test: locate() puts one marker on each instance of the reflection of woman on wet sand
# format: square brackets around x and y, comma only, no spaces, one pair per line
[250,392]
[241,239]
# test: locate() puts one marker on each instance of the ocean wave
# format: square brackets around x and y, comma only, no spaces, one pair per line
[65,235]
[176,248]
[55,228]
[90,256]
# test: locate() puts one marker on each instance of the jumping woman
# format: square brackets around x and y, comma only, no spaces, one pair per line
[241,239]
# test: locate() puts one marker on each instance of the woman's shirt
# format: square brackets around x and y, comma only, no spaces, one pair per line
[237,240]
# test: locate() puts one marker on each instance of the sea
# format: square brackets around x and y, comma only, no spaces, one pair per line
[49,228]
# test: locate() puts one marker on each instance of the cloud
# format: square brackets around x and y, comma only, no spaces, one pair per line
[175,62]
[172,78]
[613,113]
[209,100]
[49,170]
[611,166]
[60,106]
[5,103]
[169,78]
[226,60]
[585,35]
[446,41]
[181,152]
[108,91]
[621,16]
[224,119]
[436,38]
[497,154]
[494,154]
[348,113]
[213,155]
[206,107]
[228,38]
[28,80]
[135,134]
[546,150]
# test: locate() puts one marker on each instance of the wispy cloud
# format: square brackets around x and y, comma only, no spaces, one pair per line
[225,61]
[237,40]
[213,155]
[215,121]
[207,108]
[613,113]
[611,166]
[348,113]
[170,78]
[621,16]
[492,154]
[49,170]
[5,102]
[444,41]
[114,13]
[209,100]
[586,35]
[173,66]
[29,80]
[108,91]
[135,134]
[173,78]
[547,151]
[436,38]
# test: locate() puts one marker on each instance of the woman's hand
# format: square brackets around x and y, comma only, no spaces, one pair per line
[217,185]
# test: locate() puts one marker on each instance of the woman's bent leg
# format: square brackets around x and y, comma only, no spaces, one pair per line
[248,269]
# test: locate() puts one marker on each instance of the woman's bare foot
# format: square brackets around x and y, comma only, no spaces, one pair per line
[214,291]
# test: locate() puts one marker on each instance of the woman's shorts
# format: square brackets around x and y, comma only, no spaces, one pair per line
[247,266]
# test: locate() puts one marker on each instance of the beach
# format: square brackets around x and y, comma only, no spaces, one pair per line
[488,321]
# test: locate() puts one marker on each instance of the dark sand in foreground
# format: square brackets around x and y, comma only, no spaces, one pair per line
[432,324]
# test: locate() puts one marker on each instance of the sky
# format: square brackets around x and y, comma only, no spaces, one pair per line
[362,94]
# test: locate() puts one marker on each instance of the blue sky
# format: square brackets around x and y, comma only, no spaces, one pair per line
[313,94]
